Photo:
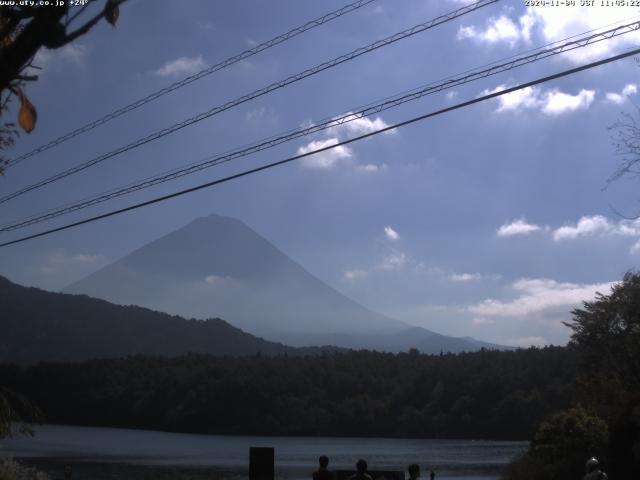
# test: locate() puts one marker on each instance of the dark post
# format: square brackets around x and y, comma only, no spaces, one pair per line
[261,463]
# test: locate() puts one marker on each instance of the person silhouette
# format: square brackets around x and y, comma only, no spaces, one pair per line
[414,471]
[361,471]
[594,471]
[432,475]
[323,473]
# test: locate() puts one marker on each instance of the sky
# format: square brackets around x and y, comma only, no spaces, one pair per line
[492,221]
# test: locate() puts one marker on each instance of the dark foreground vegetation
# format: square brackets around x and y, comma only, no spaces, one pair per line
[604,417]
[487,394]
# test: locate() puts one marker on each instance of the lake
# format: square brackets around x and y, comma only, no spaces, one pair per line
[296,457]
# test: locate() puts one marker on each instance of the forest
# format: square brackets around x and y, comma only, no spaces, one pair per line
[487,394]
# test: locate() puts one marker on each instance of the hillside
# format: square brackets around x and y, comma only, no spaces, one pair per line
[44,326]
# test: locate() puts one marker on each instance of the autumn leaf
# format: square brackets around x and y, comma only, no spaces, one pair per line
[112,12]
[27,116]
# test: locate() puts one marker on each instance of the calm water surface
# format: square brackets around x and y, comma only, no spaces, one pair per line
[295,457]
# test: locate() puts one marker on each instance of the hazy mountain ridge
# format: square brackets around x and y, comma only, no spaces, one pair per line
[219,267]
[38,325]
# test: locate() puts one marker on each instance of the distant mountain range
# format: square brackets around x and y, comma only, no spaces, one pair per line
[219,267]
[43,326]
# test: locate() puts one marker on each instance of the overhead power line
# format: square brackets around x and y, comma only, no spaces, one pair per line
[319,150]
[294,32]
[257,93]
[558,48]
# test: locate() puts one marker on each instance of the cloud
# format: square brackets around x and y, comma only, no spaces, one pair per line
[72,53]
[620,98]
[394,261]
[353,275]
[354,125]
[597,225]
[182,66]
[557,102]
[553,27]
[391,234]
[327,159]
[59,262]
[536,296]
[371,168]
[357,125]
[451,94]
[548,27]
[216,280]
[519,227]
[500,29]
[550,102]
[261,116]
[465,277]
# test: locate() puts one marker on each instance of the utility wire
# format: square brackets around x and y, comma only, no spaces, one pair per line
[196,76]
[319,150]
[257,93]
[391,102]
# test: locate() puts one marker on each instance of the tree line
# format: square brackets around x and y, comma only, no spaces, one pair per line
[486,394]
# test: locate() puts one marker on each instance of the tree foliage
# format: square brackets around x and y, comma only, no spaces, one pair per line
[16,413]
[606,339]
[487,394]
[25,29]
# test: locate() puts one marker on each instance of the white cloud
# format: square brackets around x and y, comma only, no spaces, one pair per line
[549,26]
[394,261]
[261,116]
[519,227]
[356,274]
[500,29]
[72,53]
[553,27]
[557,102]
[59,262]
[355,125]
[620,98]
[358,125]
[538,295]
[182,66]
[371,168]
[216,280]
[465,277]
[597,225]
[391,234]
[635,248]
[551,102]
[327,159]
[451,94]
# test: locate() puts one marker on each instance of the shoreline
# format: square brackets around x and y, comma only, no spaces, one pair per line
[93,469]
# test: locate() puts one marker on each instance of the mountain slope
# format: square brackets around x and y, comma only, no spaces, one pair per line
[43,326]
[219,267]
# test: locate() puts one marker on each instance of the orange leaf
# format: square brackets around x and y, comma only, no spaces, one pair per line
[27,116]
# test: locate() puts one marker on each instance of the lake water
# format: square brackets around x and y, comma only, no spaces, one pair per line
[296,457]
